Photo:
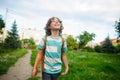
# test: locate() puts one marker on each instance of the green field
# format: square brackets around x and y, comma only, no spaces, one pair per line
[90,66]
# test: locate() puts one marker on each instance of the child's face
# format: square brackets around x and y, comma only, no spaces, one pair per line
[55,24]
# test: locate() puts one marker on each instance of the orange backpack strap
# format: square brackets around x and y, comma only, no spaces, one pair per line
[62,49]
[45,39]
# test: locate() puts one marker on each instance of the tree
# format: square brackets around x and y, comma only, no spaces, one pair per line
[107,47]
[117,27]
[71,43]
[2,24]
[85,38]
[28,41]
[12,41]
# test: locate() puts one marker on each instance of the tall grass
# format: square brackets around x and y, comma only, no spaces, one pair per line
[33,56]
[8,58]
[90,66]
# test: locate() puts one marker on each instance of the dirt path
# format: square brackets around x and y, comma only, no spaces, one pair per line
[21,70]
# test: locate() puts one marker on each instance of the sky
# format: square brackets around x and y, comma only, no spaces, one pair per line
[77,16]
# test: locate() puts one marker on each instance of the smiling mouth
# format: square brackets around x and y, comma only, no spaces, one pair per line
[54,28]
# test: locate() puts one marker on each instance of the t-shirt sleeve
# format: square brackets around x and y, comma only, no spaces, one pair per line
[41,44]
[65,46]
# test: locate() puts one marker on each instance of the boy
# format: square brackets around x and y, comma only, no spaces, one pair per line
[54,53]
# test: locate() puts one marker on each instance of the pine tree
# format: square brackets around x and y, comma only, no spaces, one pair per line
[12,41]
[107,47]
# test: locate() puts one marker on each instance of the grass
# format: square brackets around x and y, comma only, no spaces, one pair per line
[34,78]
[90,66]
[8,59]
[33,56]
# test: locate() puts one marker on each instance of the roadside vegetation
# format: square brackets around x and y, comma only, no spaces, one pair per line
[8,59]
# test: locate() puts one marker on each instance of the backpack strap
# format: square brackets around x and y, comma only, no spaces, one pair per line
[45,39]
[62,49]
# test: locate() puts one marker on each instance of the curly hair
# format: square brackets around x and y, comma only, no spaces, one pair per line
[47,27]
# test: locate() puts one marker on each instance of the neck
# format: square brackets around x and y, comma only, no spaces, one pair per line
[55,33]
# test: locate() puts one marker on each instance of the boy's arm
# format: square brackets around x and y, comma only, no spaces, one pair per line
[37,61]
[64,59]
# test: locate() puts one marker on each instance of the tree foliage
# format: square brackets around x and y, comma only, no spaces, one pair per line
[28,41]
[117,27]
[107,47]
[12,41]
[85,38]
[71,43]
[2,24]
[98,48]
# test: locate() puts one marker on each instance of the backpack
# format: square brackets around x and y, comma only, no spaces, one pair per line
[45,39]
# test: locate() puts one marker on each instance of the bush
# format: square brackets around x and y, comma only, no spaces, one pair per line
[1,46]
[2,49]
[89,49]
[71,43]
[98,48]
[117,48]
[32,46]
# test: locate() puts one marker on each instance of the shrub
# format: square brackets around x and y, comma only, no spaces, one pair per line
[1,46]
[98,48]
[117,48]
[89,49]
[32,46]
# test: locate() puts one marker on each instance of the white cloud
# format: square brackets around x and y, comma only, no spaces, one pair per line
[77,16]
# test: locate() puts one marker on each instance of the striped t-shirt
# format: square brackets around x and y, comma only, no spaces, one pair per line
[52,60]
